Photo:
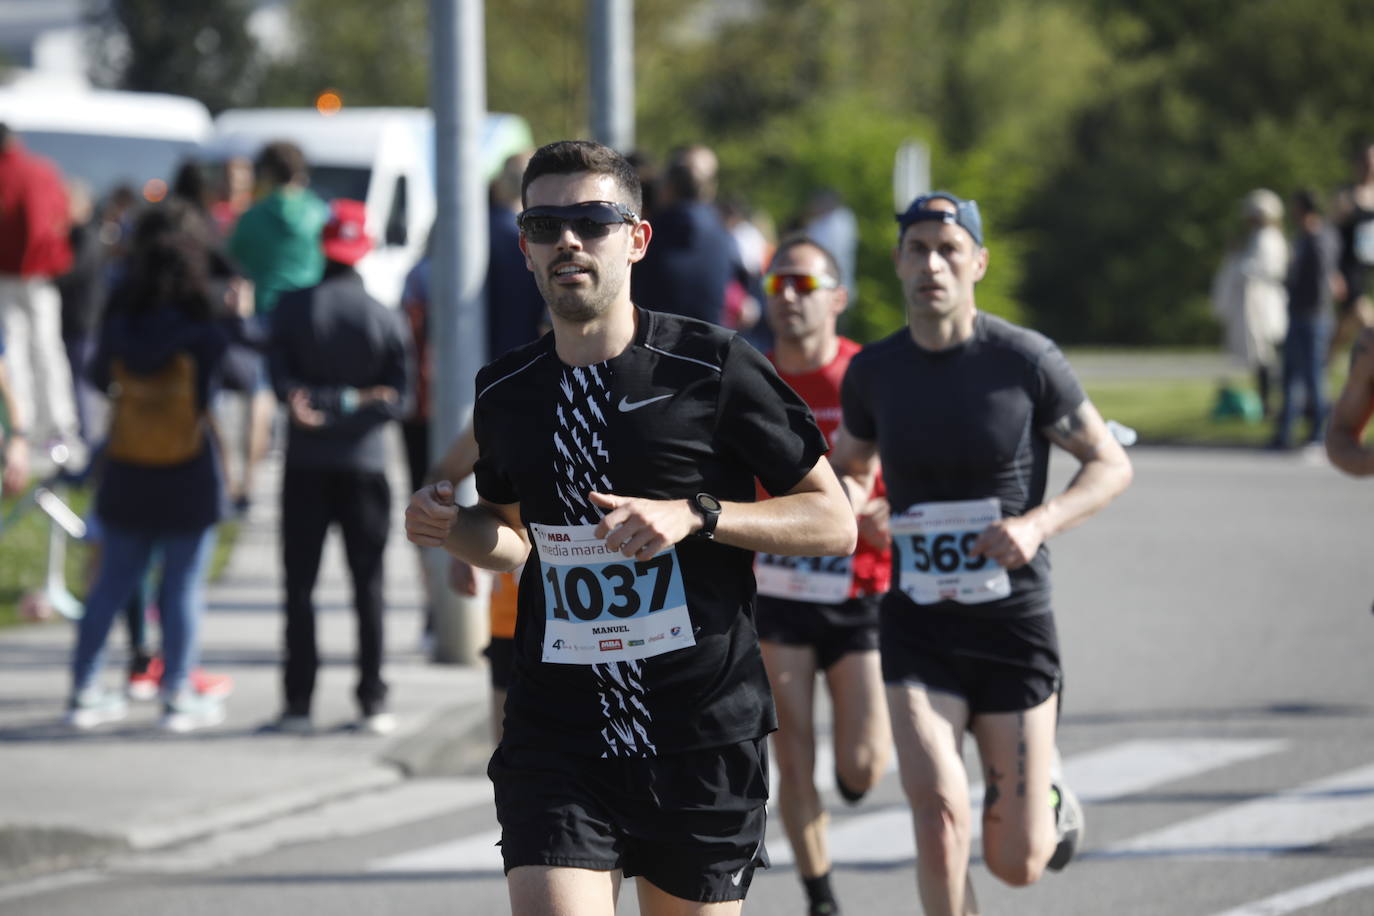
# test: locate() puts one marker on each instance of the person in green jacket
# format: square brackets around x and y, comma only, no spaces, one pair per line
[276,243]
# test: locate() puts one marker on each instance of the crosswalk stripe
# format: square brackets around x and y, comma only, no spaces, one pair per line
[884,836]
[1281,822]
[1308,895]
[476,853]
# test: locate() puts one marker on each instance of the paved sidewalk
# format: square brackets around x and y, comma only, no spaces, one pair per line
[71,798]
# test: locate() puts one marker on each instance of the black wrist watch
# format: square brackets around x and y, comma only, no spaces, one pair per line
[708,507]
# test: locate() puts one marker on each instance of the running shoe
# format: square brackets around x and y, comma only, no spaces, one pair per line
[187,711]
[144,685]
[211,685]
[143,678]
[95,706]
[377,723]
[1068,824]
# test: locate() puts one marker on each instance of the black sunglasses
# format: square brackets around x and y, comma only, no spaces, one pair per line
[593,219]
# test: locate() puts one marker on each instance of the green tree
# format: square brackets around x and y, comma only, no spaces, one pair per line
[1130,227]
[200,49]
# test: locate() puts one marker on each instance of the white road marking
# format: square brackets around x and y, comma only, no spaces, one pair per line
[476,853]
[1284,821]
[1308,895]
[884,837]
[411,801]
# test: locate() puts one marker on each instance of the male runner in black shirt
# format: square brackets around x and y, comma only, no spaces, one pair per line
[962,408]
[617,461]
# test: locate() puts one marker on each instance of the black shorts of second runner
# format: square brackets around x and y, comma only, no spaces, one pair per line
[500,652]
[995,664]
[832,630]
[692,824]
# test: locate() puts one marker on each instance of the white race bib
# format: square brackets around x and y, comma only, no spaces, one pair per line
[823,580]
[932,541]
[600,606]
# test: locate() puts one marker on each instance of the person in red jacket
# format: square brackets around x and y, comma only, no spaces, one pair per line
[34,249]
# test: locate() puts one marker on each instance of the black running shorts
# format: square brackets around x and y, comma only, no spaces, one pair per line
[832,630]
[995,664]
[692,824]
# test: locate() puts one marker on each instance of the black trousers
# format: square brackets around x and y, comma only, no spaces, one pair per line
[360,501]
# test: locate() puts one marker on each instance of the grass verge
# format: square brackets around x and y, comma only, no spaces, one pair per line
[24,552]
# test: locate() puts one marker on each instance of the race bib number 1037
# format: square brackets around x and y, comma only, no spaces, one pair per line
[600,606]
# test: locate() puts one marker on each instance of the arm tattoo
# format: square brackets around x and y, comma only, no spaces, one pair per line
[1069,425]
[1070,432]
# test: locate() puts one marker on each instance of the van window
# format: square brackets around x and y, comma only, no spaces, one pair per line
[332,181]
[105,162]
[399,217]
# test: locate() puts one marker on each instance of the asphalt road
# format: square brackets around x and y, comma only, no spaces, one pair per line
[1217,636]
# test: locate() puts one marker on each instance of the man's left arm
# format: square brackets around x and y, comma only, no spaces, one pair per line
[1104,472]
[812,519]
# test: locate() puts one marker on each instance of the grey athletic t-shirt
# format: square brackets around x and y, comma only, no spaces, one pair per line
[965,423]
[617,657]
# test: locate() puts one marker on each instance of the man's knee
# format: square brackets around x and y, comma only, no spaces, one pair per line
[1014,860]
[859,768]
[943,831]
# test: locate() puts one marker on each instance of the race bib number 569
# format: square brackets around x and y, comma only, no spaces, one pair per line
[932,542]
[601,606]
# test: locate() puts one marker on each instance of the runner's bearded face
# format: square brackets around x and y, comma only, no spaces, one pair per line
[938,265]
[803,298]
[580,277]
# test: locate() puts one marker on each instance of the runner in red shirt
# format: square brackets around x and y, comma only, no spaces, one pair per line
[820,615]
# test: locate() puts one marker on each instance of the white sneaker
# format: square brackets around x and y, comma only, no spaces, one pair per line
[379,723]
[187,711]
[95,706]
[1068,825]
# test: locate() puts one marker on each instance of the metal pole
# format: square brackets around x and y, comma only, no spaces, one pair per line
[610,58]
[457,325]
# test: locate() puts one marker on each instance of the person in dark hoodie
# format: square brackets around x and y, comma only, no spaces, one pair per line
[276,243]
[159,357]
[340,365]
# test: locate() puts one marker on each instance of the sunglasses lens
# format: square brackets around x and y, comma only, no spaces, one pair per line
[588,221]
[541,229]
[802,284]
[590,228]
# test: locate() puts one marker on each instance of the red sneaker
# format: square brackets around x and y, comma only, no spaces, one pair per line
[143,684]
[211,685]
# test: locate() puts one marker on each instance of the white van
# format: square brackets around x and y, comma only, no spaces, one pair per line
[382,156]
[104,137]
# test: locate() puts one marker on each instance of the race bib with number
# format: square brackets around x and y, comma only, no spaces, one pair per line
[601,606]
[823,580]
[932,541]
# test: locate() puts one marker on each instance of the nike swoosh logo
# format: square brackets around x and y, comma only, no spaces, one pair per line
[735,878]
[626,405]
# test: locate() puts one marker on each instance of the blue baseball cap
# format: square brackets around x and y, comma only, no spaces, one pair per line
[965,214]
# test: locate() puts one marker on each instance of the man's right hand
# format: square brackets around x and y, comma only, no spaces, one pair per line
[431,515]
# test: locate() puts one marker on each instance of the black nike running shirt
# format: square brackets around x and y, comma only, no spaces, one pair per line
[688,407]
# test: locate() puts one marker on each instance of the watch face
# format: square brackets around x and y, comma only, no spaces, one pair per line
[708,502]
